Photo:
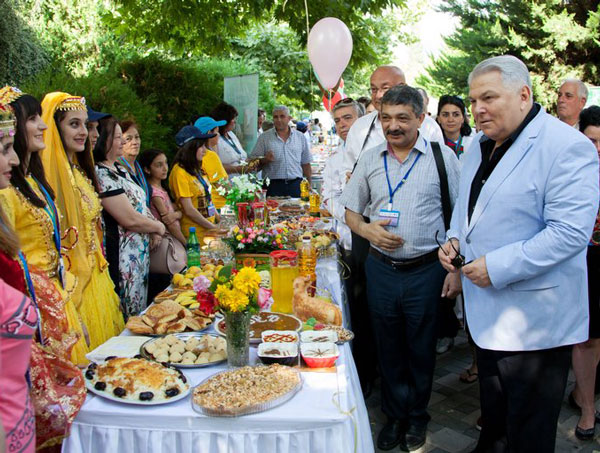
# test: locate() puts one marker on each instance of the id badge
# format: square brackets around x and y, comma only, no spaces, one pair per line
[212,211]
[392,216]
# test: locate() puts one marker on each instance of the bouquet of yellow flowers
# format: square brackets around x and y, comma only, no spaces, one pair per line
[239,292]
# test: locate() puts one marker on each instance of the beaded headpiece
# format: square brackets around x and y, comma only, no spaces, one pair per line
[9,94]
[72,103]
[7,121]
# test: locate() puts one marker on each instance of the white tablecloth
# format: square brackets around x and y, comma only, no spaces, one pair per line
[327,416]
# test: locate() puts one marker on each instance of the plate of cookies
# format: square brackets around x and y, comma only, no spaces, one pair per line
[186,350]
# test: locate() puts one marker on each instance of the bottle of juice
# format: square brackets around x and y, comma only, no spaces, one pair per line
[193,249]
[304,190]
[284,270]
[307,262]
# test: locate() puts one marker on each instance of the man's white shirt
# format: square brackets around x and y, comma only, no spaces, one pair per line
[334,180]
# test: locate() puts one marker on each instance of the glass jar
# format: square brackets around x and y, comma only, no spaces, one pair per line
[258,210]
[242,214]
[284,270]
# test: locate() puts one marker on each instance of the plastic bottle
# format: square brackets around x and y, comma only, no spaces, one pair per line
[193,249]
[307,262]
[304,190]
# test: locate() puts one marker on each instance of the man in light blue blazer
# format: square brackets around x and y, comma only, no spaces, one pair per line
[528,198]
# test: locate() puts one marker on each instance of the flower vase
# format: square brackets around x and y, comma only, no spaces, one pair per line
[238,338]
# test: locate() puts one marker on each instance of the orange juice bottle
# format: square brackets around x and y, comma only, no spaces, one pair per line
[284,270]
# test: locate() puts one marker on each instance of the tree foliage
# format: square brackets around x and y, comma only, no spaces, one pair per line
[21,53]
[207,26]
[555,39]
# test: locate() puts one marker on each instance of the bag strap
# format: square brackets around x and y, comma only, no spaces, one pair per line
[441,168]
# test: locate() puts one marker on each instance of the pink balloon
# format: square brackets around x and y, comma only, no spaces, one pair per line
[329,50]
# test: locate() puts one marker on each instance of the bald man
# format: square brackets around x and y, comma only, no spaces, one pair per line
[366,132]
[572,97]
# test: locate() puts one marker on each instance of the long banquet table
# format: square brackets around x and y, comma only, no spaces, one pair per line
[328,415]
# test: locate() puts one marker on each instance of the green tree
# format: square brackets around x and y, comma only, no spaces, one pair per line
[278,51]
[21,53]
[207,26]
[555,39]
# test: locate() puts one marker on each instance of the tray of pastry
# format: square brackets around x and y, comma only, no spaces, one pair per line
[246,390]
[186,350]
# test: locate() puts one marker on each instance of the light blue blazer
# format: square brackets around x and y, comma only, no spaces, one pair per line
[532,221]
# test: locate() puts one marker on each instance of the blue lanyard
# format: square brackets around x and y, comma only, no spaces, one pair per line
[31,290]
[232,144]
[50,208]
[205,185]
[402,181]
[138,176]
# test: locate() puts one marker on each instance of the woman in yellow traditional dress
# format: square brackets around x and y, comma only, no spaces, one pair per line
[56,387]
[30,210]
[69,167]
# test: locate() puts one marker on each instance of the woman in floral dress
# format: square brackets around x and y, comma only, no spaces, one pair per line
[131,230]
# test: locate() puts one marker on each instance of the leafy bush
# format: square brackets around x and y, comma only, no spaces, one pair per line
[181,90]
[106,92]
[160,95]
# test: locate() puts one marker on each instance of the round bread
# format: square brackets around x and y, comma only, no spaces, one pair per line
[162,358]
[151,348]
[171,339]
[175,357]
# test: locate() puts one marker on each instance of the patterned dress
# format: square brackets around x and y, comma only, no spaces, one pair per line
[18,321]
[127,252]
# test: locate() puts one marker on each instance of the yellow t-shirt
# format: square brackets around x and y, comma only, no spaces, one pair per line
[214,170]
[184,185]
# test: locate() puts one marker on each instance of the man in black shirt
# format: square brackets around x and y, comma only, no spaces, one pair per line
[528,199]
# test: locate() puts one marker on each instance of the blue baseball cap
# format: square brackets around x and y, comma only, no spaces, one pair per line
[206,123]
[301,126]
[96,116]
[188,133]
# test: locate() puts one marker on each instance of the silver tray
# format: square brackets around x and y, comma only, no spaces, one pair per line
[89,386]
[183,336]
[250,409]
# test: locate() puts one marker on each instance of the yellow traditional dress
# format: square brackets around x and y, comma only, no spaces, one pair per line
[94,296]
[35,229]
[104,320]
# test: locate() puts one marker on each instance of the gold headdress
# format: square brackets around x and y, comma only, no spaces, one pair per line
[10,94]
[7,121]
[72,103]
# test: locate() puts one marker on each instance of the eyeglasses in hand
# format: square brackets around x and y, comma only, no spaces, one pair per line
[459,260]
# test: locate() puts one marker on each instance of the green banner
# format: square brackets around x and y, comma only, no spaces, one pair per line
[242,92]
[593,96]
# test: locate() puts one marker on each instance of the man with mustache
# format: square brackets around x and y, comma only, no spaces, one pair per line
[399,180]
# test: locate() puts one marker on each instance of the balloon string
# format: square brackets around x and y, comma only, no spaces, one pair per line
[312,86]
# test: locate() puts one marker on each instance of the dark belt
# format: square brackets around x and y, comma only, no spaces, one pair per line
[405,265]
[286,181]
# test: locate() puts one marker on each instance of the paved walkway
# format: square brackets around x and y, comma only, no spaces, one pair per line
[454,408]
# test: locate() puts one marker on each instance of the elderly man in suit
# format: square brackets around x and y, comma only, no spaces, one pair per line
[528,198]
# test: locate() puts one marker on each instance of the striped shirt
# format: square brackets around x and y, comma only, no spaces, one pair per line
[290,155]
[418,200]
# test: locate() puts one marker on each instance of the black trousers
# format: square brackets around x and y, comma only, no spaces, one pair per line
[448,324]
[403,306]
[284,188]
[521,394]
[363,351]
